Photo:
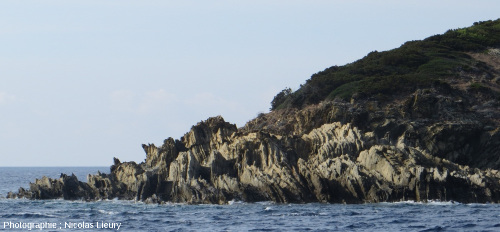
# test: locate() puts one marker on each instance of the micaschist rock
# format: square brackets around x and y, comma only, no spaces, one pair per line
[421,122]
[336,162]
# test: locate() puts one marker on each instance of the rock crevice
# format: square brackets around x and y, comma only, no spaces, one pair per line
[335,162]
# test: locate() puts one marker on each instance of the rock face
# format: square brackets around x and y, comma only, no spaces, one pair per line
[337,161]
[437,143]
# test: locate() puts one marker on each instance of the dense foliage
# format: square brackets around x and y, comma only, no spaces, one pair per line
[280,98]
[414,65]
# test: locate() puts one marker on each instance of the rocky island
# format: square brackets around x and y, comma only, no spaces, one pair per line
[420,122]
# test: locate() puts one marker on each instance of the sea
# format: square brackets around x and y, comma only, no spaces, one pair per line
[117,215]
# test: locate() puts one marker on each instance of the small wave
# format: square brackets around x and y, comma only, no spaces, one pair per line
[118,201]
[75,202]
[358,225]
[469,225]
[233,202]
[217,218]
[351,213]
[401,221]
[263,229]
[300,214]
[265,203]
[430,202]
[270,211]
[28,215]
[435,228]
[443,203]
[168,203]
[107,212]
[477,205]
[129,213]
[416,226]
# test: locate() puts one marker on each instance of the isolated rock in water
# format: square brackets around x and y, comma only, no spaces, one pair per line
[66,187]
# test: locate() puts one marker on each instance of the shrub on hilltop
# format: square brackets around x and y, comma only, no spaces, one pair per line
[416,64]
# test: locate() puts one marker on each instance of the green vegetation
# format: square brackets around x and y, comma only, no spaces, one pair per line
[280,98]
[415,64]
[477,86]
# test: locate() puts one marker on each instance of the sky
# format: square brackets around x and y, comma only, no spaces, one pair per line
[82,82]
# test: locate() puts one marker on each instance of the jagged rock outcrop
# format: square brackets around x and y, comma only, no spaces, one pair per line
[67,187]
[421,122]
[336,162]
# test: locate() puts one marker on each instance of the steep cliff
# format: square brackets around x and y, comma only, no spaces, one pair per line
[436,138]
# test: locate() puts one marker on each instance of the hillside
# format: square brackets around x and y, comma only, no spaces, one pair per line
[420,122]
[444,81]
[455,58]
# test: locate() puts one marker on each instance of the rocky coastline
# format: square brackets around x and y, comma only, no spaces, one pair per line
[435,139]
[335,152]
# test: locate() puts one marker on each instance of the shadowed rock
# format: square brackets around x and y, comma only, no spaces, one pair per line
[336,162]
[425,135]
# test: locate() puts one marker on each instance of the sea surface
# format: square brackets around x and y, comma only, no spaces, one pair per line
[60,215]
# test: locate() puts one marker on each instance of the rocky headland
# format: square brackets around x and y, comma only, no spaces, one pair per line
[423,126]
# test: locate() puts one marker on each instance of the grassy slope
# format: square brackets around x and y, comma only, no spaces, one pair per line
[416,64]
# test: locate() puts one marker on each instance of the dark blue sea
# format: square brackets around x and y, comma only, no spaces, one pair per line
[60,215]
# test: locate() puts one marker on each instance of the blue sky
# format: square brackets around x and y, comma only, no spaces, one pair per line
[85,81]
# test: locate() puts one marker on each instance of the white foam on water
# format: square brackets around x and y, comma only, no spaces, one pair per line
[107,212]
[233,202]
[265,203]
[429,202]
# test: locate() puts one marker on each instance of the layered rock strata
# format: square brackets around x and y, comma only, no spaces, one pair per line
[440,142]
[339,161]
